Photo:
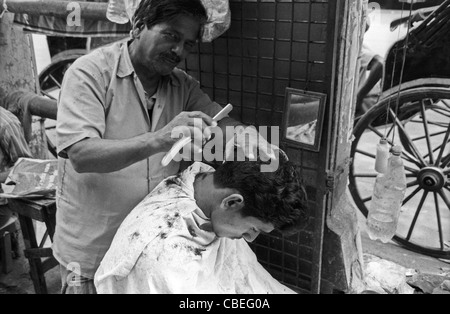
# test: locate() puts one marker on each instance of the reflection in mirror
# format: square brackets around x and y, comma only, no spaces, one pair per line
[304,118]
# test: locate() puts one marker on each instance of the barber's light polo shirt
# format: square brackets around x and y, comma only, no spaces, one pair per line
[102,97]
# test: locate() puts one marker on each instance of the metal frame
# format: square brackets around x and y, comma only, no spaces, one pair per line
[322,98]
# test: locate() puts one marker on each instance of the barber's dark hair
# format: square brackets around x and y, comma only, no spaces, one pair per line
[153,12]
[273,197]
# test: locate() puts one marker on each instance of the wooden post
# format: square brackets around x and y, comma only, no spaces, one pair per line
[344,259]
[16,58]
[18,72]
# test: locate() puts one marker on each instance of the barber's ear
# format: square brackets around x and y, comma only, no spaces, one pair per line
[234,201]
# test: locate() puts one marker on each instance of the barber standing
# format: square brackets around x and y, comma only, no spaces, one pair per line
[117,108]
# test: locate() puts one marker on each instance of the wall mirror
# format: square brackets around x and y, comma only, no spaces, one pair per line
[303,118]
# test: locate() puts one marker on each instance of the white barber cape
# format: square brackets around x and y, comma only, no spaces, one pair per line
[160,248]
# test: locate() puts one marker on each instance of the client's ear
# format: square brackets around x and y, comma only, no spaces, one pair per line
[136,29]
[233,202]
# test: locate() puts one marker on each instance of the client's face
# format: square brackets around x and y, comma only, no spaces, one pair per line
[231,224]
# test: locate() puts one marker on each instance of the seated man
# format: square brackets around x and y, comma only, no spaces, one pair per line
[189,234]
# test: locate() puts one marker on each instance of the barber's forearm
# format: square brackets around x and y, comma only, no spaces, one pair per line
[105,156]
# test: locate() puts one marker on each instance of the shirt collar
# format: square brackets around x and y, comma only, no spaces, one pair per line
[125,67]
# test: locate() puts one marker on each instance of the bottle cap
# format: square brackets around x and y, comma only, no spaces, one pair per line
[397,150]
[383,141]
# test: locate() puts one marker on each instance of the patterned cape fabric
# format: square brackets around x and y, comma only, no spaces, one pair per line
[162,248]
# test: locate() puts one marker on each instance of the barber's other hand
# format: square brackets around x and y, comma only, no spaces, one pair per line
[194,124]
[250,142]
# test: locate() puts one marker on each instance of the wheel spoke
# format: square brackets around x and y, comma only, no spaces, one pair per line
[427,133]
[48,95]
[444,144]
[54,80]
[374,130]
[445,162]
[366,154]
[414,171]
[409,159]
[412,183]
[367,199]
[390,130]
[406,136]
[374,175]
[438,215]
[416,215]
[431,135]
[445,198]
[440,124]
[438,110]
[446,103]
[409,197]
[435,150]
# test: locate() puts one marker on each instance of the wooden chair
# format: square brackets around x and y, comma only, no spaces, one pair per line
[40,258]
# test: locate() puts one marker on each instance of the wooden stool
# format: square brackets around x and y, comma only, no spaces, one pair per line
[40,258]
[5,244]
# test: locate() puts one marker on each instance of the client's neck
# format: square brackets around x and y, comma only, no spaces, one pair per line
[204,192]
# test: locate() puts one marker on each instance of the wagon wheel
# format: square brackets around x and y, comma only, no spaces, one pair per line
[50,80]
[422,127]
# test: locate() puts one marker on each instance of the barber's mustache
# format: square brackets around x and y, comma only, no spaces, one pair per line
[171,57]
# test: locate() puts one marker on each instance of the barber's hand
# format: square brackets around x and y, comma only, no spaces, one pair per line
[194,124]
[250,142]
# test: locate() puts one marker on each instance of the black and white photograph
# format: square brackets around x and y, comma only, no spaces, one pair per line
[227,154]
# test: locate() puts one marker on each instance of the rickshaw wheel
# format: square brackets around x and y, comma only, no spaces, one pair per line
[421,125]
[51,77]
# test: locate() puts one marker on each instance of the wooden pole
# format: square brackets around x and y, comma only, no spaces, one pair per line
[343,249]
[58,8]
[18,73]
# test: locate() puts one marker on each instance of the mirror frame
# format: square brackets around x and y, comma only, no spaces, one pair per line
[320,119]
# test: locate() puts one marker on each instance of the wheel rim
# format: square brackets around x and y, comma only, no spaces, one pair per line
[422,125]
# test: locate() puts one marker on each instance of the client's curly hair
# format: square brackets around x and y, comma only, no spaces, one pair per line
[273,197]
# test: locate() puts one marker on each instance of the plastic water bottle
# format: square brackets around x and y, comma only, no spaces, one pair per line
[382,157]
[387,200]
[116,12]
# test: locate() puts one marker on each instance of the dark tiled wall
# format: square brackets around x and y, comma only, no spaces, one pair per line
[272,45]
